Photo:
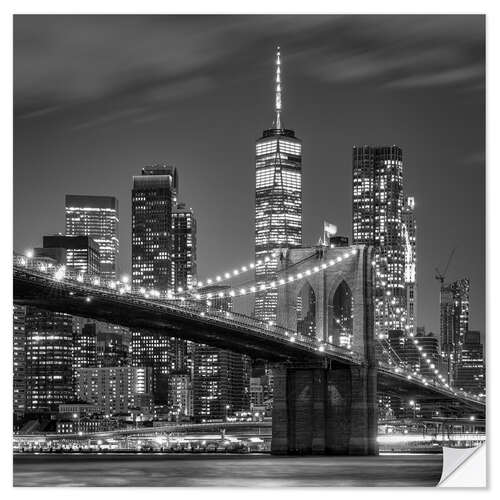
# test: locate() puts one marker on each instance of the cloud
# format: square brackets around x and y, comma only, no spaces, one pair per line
[453,76]
[104,63]
[66,60]
[404,52]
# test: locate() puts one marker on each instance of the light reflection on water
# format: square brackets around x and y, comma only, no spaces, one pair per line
[226,470]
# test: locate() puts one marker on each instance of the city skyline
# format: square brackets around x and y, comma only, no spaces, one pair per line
[207,118]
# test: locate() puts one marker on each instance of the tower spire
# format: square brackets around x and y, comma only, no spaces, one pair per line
[277,105]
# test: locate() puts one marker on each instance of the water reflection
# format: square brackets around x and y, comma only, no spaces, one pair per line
[226,470]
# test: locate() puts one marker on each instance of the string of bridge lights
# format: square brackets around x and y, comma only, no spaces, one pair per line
[220,278]
[241,291]
[410,336]
[400,315]
[123,286]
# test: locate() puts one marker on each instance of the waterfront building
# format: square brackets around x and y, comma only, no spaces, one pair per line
[220,377]
[113,389]
[48,349]
[260,393]
[454,300]
[377,221]
[470,373]
[97,217]
[19,362]
[181,391]
[278,200]
[49,360]
[77,409]
[153,195]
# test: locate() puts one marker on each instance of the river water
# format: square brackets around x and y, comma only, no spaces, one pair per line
[226,470]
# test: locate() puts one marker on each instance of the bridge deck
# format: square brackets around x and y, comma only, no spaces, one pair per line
[193,321]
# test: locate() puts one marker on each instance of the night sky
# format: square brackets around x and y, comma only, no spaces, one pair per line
[99,97]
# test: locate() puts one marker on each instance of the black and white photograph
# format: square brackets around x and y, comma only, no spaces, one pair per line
[249,250]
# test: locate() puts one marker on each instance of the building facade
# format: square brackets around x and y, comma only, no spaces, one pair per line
[220,377]
[454,324]
[183,247]
[278,201]
[184,275]
[19,361]
[181,393]
[404,349]
[81,252]
[48,349]
[470,373]
[100,345]
[114,390]
[430,350]
[377,220]
[97,217]
[153,195]
[410,268]
[49,360]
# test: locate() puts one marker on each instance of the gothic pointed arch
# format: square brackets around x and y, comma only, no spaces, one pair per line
[306,310]
[340,315]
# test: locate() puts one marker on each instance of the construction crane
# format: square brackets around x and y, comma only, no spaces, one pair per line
[440,276]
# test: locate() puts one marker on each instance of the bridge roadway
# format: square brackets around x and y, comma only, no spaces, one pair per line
[191,320]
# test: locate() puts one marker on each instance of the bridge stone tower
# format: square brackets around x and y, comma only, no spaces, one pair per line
[327,407]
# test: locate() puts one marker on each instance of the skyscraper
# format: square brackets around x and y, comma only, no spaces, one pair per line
[97,217]
[153,195]
[410,269]
[278,200]
[183,247]
[183,276]
[377,221]
[48,349]
[454,324]
[49,360]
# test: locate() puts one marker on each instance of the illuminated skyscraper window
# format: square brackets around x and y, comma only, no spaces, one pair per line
[278,200]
